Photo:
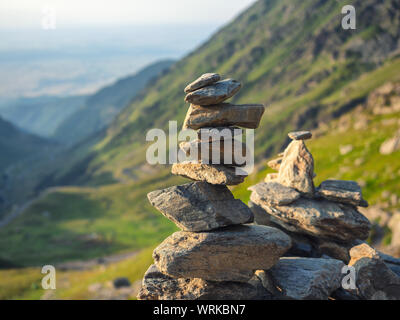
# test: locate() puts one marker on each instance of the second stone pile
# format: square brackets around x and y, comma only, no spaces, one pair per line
[215,255]
[321,221]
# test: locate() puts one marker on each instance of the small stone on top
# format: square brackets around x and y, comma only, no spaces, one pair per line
[205,80]
[300,135]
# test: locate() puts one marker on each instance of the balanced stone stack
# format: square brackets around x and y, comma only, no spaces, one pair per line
[212,118]
[321,221]
[217,252]
[326,229]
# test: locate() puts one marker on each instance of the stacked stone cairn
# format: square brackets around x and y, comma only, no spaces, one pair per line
[301,237]
[216,254]
[326,229]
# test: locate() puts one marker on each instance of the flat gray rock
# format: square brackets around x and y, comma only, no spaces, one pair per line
[226,152]
[297,168]
[224,115]
[219,133]
[307,278]
[304,245]
[204,80]
[272,193]
[374,279]
[261,217]
[342,191]
[275,163]
[214,174]
[214,93]
[321,218]
[300,135]
[157,286]
[231,254]
[200,206]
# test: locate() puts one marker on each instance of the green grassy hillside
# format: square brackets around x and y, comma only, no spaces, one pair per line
[72,223]
[293,56]
[25,283]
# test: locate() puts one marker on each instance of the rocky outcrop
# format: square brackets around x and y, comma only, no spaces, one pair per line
[390,145]
[224,115]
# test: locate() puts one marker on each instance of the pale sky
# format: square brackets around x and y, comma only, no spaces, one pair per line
[70,13]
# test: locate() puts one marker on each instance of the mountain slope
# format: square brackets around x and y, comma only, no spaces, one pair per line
[41,115]
[101,108]
[16,145]
[65,164]
[293,56]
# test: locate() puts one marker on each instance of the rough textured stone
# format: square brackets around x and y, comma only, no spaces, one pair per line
[321,218]
[157,286]
[275,163]
[268,283]
[224,115]
[218,133]
[302,246]
[204,80]
[342,294]
[300,135]
[200,206]
[305,245]
[227,152]
[342,191]
[272,193]
[307,278]
[229,255]
[374,280]
[297,168]
[339,251]
[214,174]
[214,93]
[392,262]
[261,217]
[271,177]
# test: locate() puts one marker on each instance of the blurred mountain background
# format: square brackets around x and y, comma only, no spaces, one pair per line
[73,173]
